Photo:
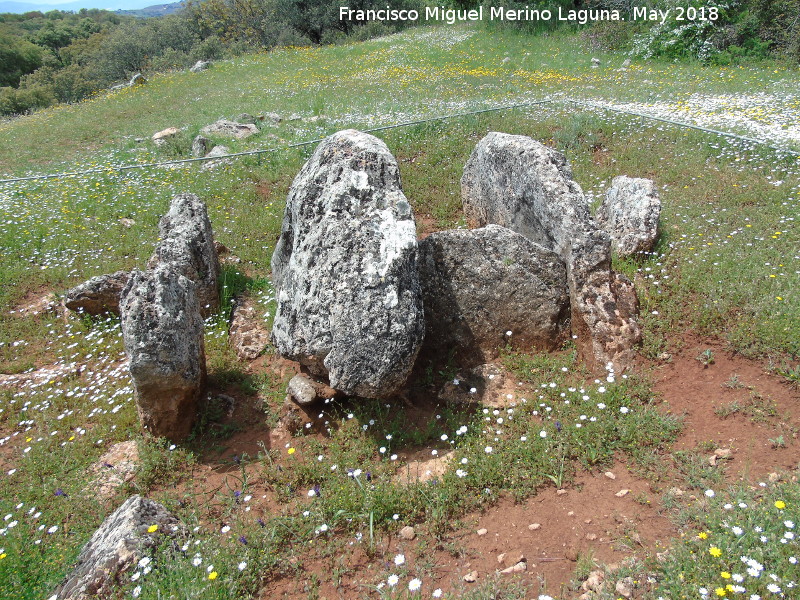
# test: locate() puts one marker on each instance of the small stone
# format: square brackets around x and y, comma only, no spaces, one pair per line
[624,587]
[501,558]
[200,65]
[588,521]
[506,60]
[160,138]
[482,531]
[127,223]
[571,513]
[676,492]
[773,477]
[471,577]
[665,357]
[610,475]
[534,526]
[595,582]
[723,453]
[408,533]
[622,493]
[520,567]
[591,536]
[561,492]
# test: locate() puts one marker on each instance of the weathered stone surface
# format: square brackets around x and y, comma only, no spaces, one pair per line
[160,138]
[247,332]
[200,65]
[121,541]
[163,336]
[201,146]
[521,184]
[187,240]
[345,269]
[137,79]
[304,390]
[232,129]
[98,295]
[630,214]
[480,284]
[217,151]
[116,467]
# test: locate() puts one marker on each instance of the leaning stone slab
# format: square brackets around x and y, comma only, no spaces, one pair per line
[521,184]
[345,269]
[98,295]
[630,213]
[232,129]
[480,285]
[124,538]
[187,240]
[162,331]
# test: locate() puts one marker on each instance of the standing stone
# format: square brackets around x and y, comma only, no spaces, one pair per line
[137,79]
[122,540]
[479,285]
[201,146]
[162,332]
[187,240]
[521,184]
[630,213]
[345,269]
[98,295]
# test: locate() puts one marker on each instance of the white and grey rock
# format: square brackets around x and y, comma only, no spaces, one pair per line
[98,295]
[305,391]
[479,284]
[226,128]
[630,214]
[187,240]
[345,269]
[121,541]
[200,65]
[162,331]
[521,184]
[137,79]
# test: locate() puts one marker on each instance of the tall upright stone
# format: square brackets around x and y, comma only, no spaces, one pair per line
[162,332]
[345,269]
[187,241]
[521,184]
[630,213]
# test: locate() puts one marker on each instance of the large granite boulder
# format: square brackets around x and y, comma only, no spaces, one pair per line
[521,184]
[481,284]
[345,269]
[162,332]
[187,240]
[126,536]
[630,214]
[98,295]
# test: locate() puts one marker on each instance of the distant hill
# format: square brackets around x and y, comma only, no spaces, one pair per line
[157,10]
[120,6]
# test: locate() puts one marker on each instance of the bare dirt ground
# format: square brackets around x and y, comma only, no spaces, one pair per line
[734,406]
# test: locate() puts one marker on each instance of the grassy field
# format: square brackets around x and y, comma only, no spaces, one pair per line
[727,267]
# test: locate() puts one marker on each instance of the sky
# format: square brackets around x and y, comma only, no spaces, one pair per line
[75,5]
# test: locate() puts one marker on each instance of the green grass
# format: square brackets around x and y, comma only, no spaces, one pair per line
[720,268]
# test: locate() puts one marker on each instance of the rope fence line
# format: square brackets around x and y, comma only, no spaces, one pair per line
[122,168]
